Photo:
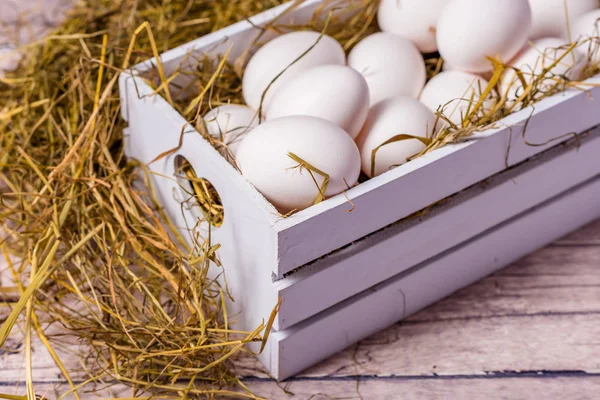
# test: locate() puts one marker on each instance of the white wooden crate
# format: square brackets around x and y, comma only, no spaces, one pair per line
[363,270]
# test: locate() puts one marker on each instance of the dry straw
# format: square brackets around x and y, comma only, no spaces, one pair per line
[88,245]
[90,252]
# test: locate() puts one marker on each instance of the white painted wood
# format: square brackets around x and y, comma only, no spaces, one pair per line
[415,240]
[154,127]
[372,310]
[450,388]
[259,246]
[492,387]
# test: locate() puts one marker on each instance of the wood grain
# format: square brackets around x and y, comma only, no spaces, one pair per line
[529,387]
[522,386]
[530,331]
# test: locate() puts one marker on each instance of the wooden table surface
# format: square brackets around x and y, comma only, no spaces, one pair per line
[531,331]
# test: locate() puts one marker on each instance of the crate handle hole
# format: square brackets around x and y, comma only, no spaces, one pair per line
[200,192]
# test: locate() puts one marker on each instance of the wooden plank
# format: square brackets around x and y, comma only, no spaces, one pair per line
[587,236]
[12,360]
[393,388]
[394,249]
[345,323]
[456,347]
[422,348]
[248,242]
[554,280]
[52,390]
[523,385]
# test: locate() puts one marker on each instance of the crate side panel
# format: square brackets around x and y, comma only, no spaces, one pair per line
[154,126]
[247,237]
[447,225]
[320,229]
[376,308]
[556,119]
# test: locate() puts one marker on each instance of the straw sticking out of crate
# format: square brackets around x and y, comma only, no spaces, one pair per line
[218,77]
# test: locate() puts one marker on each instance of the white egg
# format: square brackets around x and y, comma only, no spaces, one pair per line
[585,27]
[280,53]
[470,31]
[391,65]
[549,17]
[389,118]
[452,92]
[264,160]
[447,67]
[230,123]
[415,20]
[333,92]
[532,61]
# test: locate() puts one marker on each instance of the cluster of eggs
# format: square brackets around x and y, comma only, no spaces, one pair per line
[326,116]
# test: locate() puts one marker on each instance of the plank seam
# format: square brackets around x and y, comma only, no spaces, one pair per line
[485,375]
